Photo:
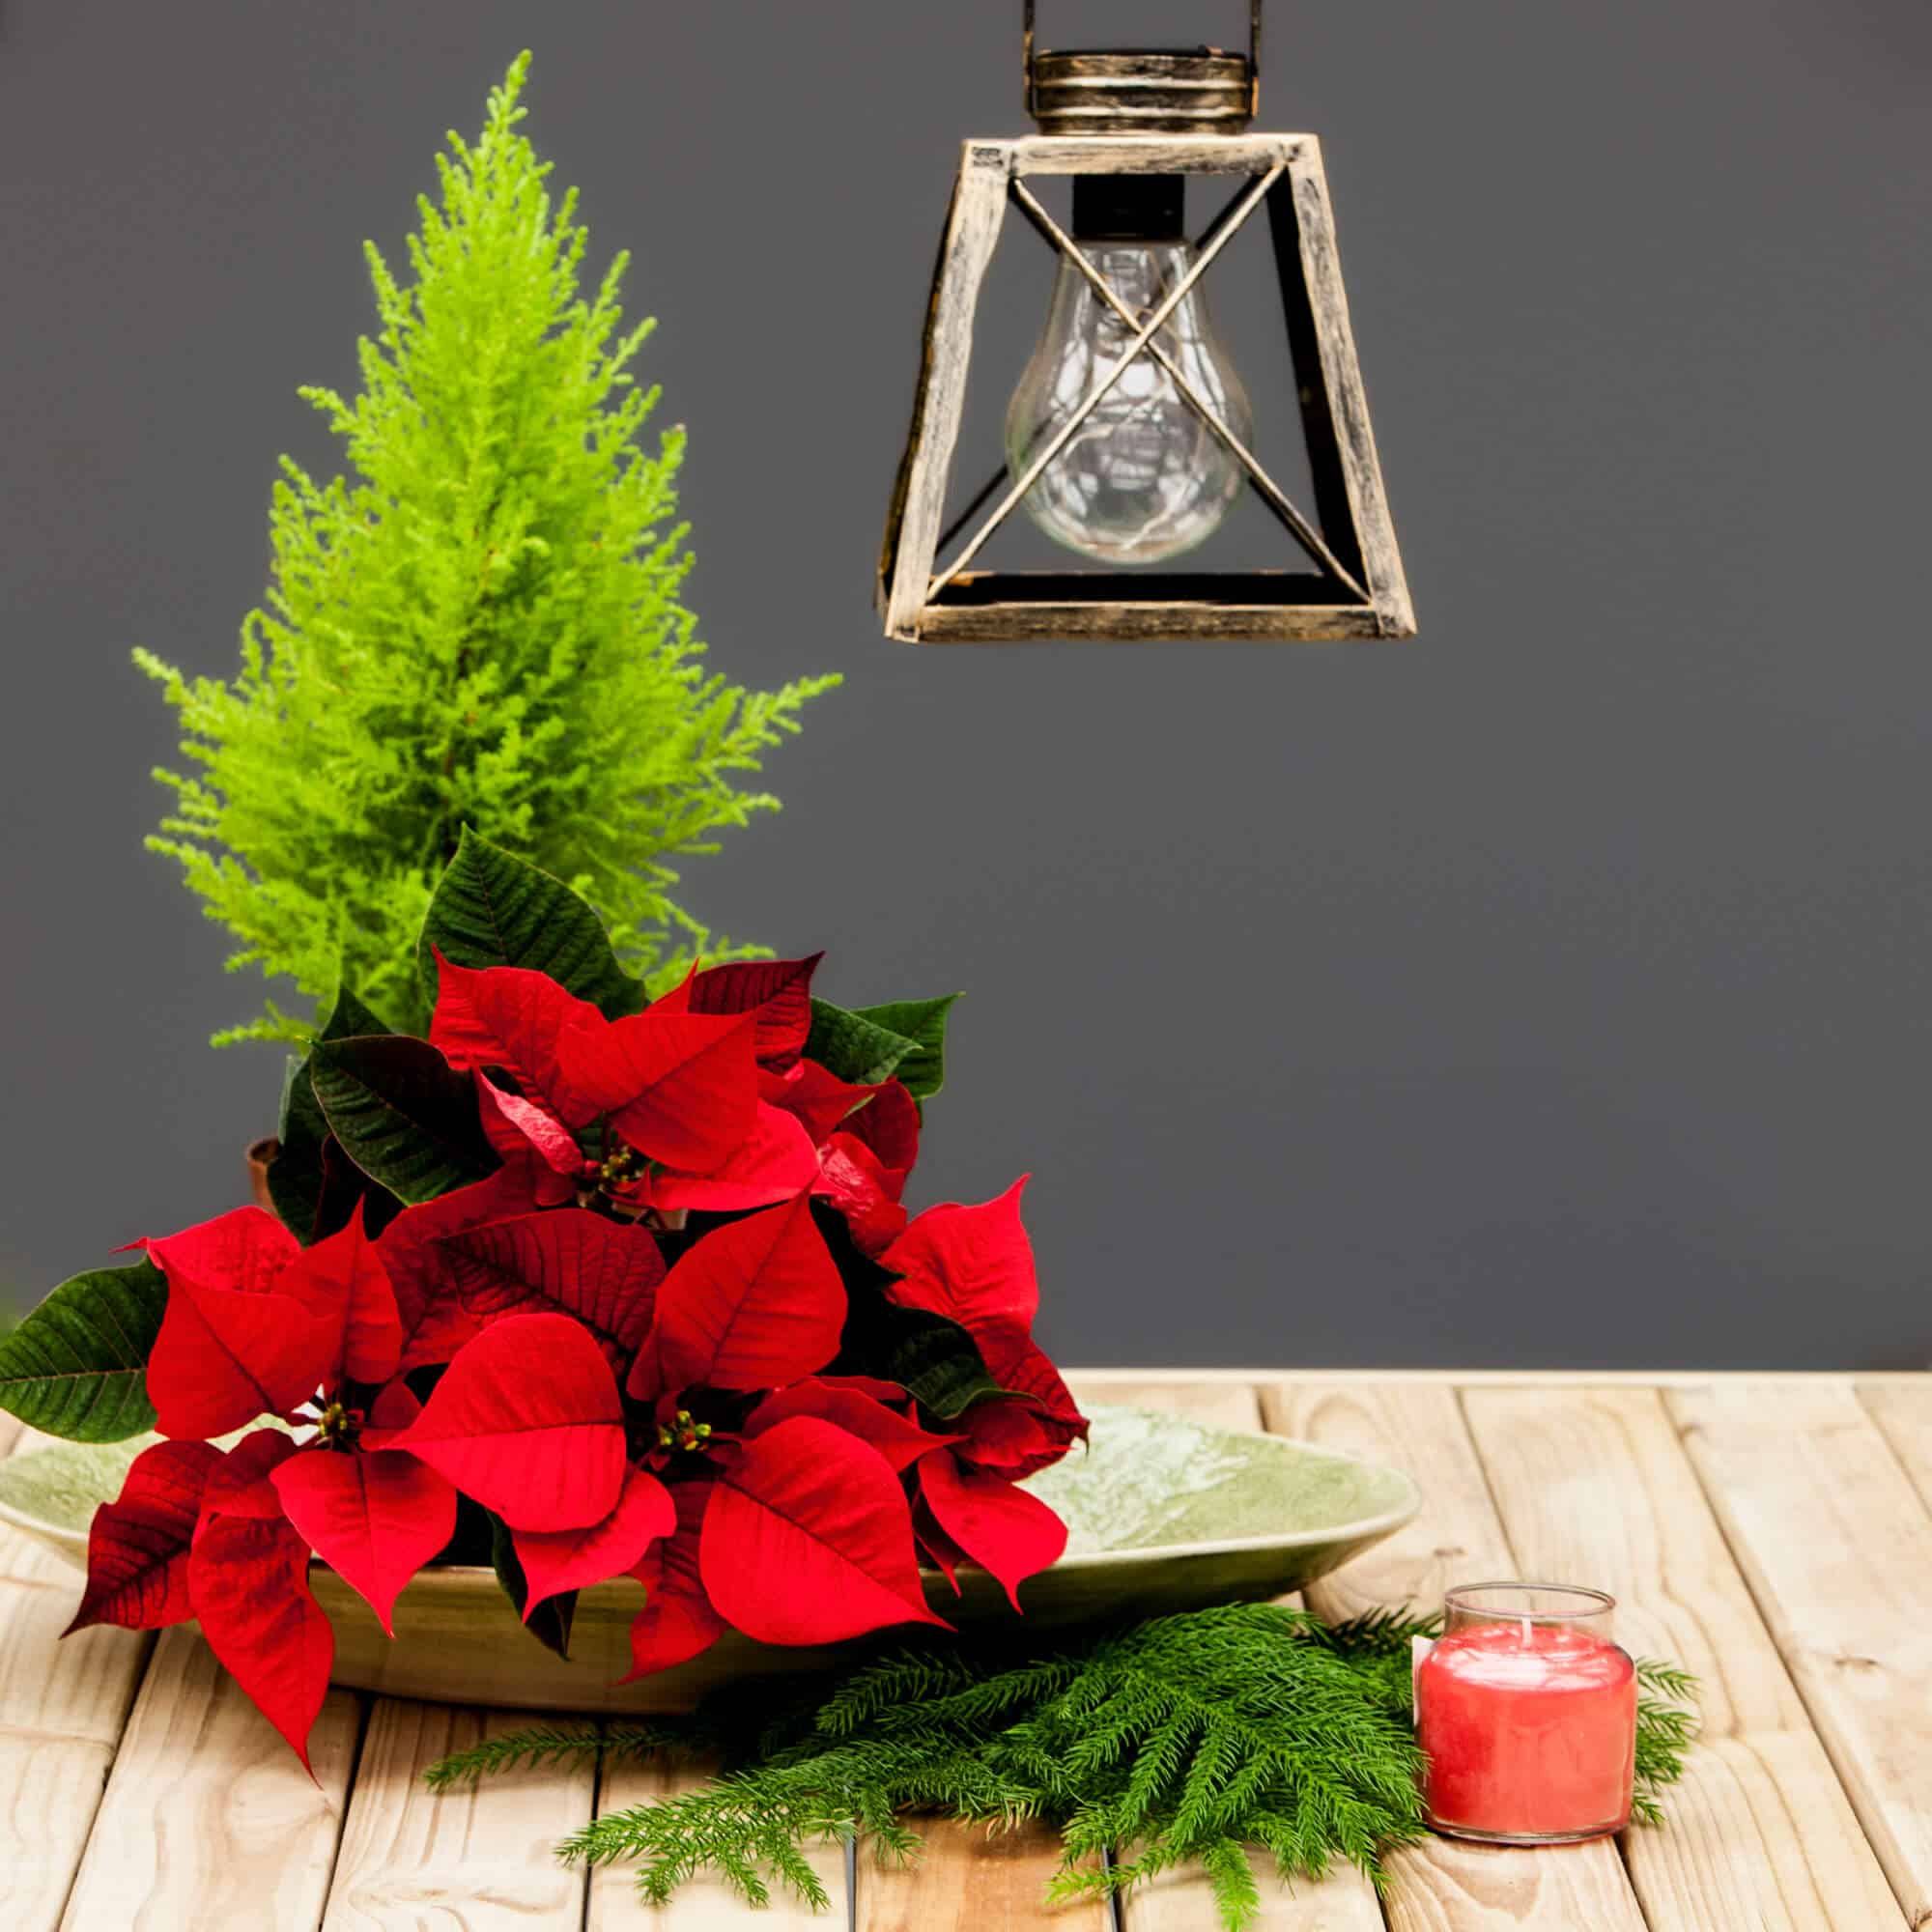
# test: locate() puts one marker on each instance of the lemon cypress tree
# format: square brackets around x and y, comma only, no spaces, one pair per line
[479,624]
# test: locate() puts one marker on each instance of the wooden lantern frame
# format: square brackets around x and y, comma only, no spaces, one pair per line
[1358,589]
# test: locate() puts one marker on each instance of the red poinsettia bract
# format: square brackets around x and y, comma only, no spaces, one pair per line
[975,1265]
[260,1327]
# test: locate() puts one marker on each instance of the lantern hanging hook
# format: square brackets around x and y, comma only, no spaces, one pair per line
[1027,35]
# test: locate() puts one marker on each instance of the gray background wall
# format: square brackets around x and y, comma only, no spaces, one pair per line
[1550,989]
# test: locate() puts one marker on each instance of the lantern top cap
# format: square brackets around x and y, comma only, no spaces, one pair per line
[1198,90]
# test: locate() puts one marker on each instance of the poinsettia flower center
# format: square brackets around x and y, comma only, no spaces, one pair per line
[683,1432]
[686,1432]
[621,1167]
[338,1426]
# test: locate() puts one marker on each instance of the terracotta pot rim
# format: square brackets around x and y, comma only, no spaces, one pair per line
[260,1154]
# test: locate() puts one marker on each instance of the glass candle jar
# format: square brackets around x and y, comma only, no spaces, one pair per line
[1528,1712]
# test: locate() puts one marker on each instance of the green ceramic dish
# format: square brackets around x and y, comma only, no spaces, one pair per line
[1163,1514]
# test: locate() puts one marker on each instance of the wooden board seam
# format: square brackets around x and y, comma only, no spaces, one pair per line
[1477,1378]
[1764,1600]
[1922,1489]
[364,1703]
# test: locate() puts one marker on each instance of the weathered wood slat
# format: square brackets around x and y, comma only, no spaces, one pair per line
[63,1707]
[1771,1381]
[1443,1885]
[919,505]
[1902,1408]
[208,1819]
[477,1858]
[1228,1405]
[1040,624]
[1457,1539]
[1837,1545]
[1448,1886]
[1760,1833]
[207,1822]
[1337,369]
[706,1904]
[1152,154]
[1182,1901]
[971,1879]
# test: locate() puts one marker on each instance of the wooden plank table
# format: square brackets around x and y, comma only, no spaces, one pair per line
[1772,1532]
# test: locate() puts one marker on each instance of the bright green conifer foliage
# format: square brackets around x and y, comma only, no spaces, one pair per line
[479,625]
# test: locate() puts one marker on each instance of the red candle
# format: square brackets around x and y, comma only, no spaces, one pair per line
[1528,1712]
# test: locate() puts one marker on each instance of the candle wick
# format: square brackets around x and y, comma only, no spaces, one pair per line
[1525,1632]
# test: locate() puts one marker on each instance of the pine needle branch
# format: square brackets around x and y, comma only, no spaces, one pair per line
[539,1745]
[1178,1741]
[1667,1727]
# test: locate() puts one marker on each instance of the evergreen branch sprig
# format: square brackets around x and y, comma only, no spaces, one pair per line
[1667,1727]
[539,1745]
[1181,1740]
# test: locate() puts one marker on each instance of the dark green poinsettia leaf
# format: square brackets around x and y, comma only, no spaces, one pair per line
[296,1173]
[402,1113]
[854,1047]
[923,1023]
[490,909]
[77,1366]
[345,1188]
[349,1019]
[550,1622]
[931,1356]
[936,1361]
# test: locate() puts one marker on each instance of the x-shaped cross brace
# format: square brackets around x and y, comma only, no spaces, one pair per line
[1144,343]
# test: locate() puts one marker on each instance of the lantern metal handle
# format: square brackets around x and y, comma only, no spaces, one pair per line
[1030,6]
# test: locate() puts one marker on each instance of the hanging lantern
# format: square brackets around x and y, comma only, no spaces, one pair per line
[1129,435]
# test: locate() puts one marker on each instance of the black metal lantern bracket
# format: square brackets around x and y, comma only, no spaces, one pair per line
[1146,113]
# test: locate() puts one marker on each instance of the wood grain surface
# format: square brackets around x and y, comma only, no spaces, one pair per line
[919,498]
[1775,1533]
[1835,1543]
[476,1859]
[209,1820]
[1444,1885]
[1178,1901]
[62,1709]
[971,1879]
[1729,1856]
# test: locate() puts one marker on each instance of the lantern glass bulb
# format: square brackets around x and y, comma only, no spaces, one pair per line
[1143,478]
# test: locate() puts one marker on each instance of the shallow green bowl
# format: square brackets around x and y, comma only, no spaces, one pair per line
[1163,1513]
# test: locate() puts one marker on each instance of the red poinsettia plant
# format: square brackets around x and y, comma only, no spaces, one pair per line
[583,1287]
